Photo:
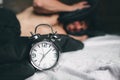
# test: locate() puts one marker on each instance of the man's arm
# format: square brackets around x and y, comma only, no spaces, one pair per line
[54,6]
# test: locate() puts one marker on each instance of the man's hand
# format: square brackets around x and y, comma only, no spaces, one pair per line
[80,5]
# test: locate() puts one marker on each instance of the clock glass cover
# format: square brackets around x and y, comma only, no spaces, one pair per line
[44,55]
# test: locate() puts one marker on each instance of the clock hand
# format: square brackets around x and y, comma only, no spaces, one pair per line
[44,55]
[48,52]
[41,59]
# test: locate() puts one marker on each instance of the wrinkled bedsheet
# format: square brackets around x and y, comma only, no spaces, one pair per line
[99,60]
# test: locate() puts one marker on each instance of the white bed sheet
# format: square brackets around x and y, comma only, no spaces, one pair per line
[99,60]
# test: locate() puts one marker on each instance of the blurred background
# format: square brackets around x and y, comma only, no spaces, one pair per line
[108,13]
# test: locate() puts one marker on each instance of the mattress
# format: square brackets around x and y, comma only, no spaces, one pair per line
[99,60]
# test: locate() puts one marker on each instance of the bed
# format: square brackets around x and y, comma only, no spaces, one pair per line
[99,60]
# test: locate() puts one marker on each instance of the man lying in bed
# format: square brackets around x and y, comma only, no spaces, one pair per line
[14,45]
[97,61]
[28,20]
[22,66]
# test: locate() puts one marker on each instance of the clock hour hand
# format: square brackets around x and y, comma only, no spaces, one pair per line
[41,59]
[47,52]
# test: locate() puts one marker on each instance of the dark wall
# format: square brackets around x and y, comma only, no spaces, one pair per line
[17,5]
[109,15]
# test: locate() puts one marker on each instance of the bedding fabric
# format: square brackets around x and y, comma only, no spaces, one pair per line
[99,60]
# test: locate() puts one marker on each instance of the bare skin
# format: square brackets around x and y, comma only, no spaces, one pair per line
[55,6]
[29,20]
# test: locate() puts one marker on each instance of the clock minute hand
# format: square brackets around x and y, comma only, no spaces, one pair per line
[47,52]
[44,55]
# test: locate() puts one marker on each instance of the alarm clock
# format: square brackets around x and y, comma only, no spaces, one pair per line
[44,52]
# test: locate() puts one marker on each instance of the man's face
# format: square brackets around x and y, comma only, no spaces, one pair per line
[77,26]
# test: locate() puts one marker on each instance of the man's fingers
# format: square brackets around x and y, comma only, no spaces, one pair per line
[84,2]
[87,6]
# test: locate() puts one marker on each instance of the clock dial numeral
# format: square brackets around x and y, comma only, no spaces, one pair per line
[35,60]
[33,55]
[39,46]
[53,49]
[44,45]
[50,45]
[34,50]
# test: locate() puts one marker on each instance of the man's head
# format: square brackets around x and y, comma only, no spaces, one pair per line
[78,22]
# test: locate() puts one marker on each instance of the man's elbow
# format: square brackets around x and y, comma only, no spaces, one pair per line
[38,4]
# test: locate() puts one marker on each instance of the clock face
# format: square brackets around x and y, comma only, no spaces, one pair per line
[44,55]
